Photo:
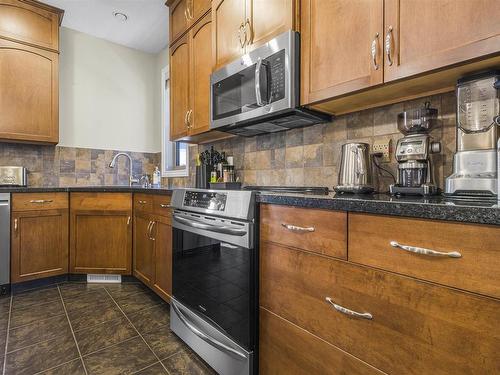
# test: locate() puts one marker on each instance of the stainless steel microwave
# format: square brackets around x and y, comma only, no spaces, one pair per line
[259,92]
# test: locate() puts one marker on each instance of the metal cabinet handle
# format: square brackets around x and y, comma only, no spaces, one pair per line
[240,31]
[162,205]
[388,45]
[143,202]
[148,229]
[190,112]
[15,225]
[153,223]
[296,228]
[346,311]
[424,251]
[185,119]
[128,220]
[374,51]
[250,32]
[189,9]
[41,201]
[186,14]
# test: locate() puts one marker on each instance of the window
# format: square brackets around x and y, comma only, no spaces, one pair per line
[174,155]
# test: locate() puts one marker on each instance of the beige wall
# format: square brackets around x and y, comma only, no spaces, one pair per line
[108,95]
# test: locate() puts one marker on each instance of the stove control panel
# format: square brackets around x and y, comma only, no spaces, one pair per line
[215,201]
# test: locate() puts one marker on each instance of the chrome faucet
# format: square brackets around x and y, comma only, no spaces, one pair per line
[131,178]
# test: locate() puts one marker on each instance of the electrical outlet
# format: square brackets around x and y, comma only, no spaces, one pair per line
[385,147]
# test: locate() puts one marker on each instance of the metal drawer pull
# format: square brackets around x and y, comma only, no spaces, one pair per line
[374,52]
[15,225]
[162,205]
[345,310]
[41,201]
[153,223]
[388,45]
[298,229]
[143,202]
[424,251]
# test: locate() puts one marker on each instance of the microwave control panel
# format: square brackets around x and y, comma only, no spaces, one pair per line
[205,200]
[277,72]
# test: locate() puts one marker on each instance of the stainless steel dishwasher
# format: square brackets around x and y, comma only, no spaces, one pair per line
[4,243]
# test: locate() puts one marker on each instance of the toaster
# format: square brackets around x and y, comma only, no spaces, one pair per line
[13,176]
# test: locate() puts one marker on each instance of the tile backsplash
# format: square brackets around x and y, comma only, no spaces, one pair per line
[70,166]
[311,156]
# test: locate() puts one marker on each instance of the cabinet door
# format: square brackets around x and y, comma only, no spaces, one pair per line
[199,8]
[336,51]
[162,233]
[179,88]
[431,34]
[39,244]
[29,101]
[179,19]
[228,20]
[143,248]
[266,19]
[101,242]
[201,56]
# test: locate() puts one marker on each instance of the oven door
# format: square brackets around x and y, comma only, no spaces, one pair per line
[260,83]
[215,273]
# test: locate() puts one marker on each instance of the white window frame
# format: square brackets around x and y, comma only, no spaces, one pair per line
[166,145]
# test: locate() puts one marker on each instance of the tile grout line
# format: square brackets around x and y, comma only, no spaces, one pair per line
[72,332]
[7,337]
[140,335]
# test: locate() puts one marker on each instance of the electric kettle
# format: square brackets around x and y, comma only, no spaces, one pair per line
[355,175]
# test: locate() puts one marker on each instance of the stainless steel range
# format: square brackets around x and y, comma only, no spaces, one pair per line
[214,308]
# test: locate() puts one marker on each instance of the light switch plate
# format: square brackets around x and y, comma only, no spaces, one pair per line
[384,146]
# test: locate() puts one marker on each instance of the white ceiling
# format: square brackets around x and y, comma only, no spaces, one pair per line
[146,28]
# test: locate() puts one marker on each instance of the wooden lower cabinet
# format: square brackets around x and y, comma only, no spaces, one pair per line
[286,349]
[39,244]
[101,233]
[416,327]
[163,258]
[153,243]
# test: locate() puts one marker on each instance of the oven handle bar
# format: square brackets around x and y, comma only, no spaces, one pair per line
[212,228]
[207,338]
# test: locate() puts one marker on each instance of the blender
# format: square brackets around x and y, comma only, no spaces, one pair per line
[415,153]
[478,114]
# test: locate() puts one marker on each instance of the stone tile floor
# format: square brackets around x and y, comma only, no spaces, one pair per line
[87,329]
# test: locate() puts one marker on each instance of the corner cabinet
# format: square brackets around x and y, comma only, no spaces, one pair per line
[242,25]
[39,236]
[101,233]
[152,260]
[29,72]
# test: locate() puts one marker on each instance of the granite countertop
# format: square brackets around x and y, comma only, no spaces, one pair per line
[439,208]
[103,188]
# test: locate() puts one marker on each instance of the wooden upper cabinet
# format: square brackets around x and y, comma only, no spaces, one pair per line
[266,19]
[201,55]
[228,20]
[432,34]
[179,88]
[336,51]
[184,14]
[29,102]
[31,23]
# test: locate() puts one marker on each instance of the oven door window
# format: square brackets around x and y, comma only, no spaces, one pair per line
[214,279]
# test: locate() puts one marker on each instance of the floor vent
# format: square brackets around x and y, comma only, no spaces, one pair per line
[92,278]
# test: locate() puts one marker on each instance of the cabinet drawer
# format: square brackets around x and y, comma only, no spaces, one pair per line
[39,201]
[286,349]
[161,205]
[320,231]
[101,201]
[143,202]
[476,269]
[416,327]
[30,24]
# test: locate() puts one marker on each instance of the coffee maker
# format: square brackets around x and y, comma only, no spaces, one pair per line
[478,117]
[415,153]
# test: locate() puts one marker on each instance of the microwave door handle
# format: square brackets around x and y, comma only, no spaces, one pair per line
[258,96]
[211,228]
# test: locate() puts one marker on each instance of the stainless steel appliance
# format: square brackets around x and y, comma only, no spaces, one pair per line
[355,175]
[478,117]
[214,307]
[13,176]
[259,92]
[4,243]
[415,153]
